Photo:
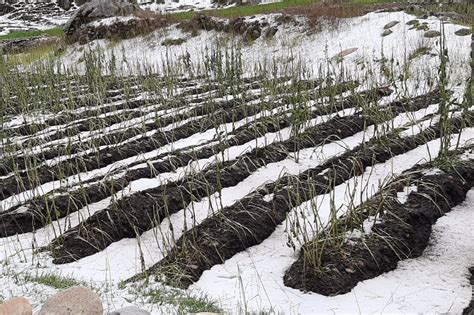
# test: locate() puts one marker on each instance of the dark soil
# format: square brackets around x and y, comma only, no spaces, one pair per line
[133,110]
[21,162]
[41,213]
[403,233]
[101,230]
[226,110]
[104,157]
[141,211]
[252,220]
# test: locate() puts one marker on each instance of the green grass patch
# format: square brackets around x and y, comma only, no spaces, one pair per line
[248,10]
[419,52]
[57,282]
[42,52]
[57,31]
[173,41]
[369,1]
[185,303]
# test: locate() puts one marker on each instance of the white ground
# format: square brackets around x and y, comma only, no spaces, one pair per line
[12,22]
[436,282]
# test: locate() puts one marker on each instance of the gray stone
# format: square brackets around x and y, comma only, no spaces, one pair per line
[391,24]
[252,33]
[387,32]
[129,310]
[346,52]
[432,34]
[463,32]
[413,22]
[423,27]
[96,10]
[271,31]
[73,301]
[65,4]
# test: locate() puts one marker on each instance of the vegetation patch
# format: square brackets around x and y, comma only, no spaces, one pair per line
[421,51]
[402,232]
[56,282]
[173,41]
[57,32]
[184,302]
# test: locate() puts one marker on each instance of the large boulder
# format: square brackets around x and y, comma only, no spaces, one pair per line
[111,19]
[16,306]
[97,10]
[250,31]
[73,301]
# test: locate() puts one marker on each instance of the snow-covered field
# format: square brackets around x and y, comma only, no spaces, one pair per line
[142,147]
[33,16]
[39,15]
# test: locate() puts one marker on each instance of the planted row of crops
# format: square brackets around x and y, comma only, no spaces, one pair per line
[147,147]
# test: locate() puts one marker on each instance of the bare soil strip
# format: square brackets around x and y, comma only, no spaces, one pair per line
[403,232]
[253,219]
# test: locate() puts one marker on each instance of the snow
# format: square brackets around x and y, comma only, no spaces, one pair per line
[402,196]
[313,50]
[258,272]
[48,17]
[252,280]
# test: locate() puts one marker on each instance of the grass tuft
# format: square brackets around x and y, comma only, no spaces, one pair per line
[57,282]
[57,31]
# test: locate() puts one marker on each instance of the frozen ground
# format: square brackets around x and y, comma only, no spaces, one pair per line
[436,282]
[33,16]
[39,16]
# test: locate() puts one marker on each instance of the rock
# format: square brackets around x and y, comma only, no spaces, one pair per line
[423,27]
[346,52]
[432,34]
[449,15]
[284,19]
[242,28]
[129,310]
[87,24]
[65,4]
[76,300]
[252,33]
[463,32]
[80,2]
[270,32]
[96,10]
[219,26]
[413,22]
[391,24]
[387,32]
[16,306]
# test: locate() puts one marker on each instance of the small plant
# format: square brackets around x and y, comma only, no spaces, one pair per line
[56,282]
[173,41]
[184,302]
